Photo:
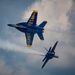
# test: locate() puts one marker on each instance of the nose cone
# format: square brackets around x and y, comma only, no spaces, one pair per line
[11,25]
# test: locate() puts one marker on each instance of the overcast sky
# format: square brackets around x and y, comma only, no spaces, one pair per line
[14,57]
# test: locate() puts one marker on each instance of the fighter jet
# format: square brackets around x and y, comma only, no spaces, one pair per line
[50,54]
[30,28]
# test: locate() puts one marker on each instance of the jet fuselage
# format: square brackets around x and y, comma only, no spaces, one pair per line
[30,28]
[50,54]
[23,27]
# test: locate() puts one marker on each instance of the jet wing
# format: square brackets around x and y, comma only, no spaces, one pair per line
[46,60]
[29,38]
[33,18]
[16,26]
[54,46]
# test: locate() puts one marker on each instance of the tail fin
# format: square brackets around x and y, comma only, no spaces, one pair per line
[43,24]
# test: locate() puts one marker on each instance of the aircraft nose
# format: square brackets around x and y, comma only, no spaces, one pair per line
[11,25]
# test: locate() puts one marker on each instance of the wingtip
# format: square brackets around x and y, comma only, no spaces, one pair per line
[42,40]
[29,46]
[45,21]
[57,41]
[42,67]
[35,10]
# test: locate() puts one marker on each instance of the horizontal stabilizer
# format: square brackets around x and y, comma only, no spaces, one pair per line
[56,56]
[43,24]
[45,48]
[40,36]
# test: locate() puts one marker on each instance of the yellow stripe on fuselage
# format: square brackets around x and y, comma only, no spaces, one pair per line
[18,26]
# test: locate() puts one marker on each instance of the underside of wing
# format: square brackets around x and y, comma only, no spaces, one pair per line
[45,62]
[29,39]
[33,18]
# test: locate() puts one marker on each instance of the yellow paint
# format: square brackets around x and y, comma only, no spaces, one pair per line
[14,24]
[33,16]
[28,38]
[42,40]
[45,21]
[19,26]
[30,22]
[35,10]
[32,19]
[29,46]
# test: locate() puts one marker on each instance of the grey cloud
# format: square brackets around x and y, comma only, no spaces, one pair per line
[57,15]
[71,15]
[18,64]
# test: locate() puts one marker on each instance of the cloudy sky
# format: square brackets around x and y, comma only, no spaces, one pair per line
[16,59]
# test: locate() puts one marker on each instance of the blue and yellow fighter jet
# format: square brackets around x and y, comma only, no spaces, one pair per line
[30,28]
[50,54]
